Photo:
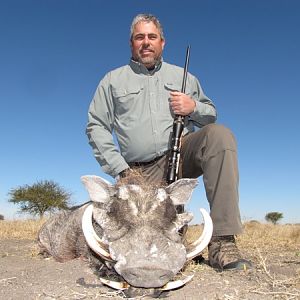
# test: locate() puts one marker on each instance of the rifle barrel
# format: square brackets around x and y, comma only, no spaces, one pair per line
[178,126]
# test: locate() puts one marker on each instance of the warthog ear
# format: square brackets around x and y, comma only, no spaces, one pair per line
[98,188]
[181,190]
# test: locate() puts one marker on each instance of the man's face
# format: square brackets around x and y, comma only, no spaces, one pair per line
[146,44]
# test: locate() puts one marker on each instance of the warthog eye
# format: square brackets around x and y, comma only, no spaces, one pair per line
[161,195]
[123,193]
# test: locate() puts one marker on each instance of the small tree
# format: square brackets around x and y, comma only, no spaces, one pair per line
[43,196]
[1,217]
[273,217]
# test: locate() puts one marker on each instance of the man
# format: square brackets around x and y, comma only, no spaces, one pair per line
[137,103]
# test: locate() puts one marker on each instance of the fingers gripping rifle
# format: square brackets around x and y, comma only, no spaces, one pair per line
[178,125]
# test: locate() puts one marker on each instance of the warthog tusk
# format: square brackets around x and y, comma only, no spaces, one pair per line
[176,284]
[91,237]
[115,284]
[205,237]
[169,286]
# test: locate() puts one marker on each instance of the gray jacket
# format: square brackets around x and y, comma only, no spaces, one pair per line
[130,119]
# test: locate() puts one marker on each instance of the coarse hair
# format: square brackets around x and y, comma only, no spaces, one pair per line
[146,18]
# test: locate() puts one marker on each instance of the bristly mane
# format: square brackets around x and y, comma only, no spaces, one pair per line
[135,176]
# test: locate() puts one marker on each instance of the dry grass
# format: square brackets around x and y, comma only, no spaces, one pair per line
[262,239]
[21,229]
[269,236]
[270,247]
[273,248]
[266,236]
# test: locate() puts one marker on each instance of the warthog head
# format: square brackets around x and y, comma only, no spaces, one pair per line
[138,231]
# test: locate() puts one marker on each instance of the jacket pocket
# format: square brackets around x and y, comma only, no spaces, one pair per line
[125,91]
[174,87]
[126,101]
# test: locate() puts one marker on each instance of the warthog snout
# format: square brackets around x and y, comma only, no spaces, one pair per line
[145,277]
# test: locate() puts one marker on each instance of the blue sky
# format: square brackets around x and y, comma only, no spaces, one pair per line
[246,55]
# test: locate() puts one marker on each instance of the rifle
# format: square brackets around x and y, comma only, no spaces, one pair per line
[178,125]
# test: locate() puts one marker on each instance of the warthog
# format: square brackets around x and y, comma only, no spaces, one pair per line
[129,229]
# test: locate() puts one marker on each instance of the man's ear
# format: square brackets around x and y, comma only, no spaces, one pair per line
[163,43]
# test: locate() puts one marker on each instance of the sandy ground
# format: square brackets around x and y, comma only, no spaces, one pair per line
[26,275]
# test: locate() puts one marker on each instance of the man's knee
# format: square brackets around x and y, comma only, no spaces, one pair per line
[201,145]
[217,130]
[220,137]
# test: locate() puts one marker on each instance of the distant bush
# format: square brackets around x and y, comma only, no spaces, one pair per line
[1,217]
[254,222]
[39,198]
[273,217]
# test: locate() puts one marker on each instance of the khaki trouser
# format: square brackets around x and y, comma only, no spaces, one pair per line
[210,152]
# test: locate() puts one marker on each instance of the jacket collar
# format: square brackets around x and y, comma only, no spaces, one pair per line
[139,68]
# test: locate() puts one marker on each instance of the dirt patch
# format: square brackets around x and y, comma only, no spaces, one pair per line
[25,275]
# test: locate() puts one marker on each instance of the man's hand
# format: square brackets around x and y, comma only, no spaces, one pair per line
[181,104]
[123,174]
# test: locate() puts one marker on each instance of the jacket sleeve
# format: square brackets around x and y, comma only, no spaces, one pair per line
[205,111]
[100,130]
